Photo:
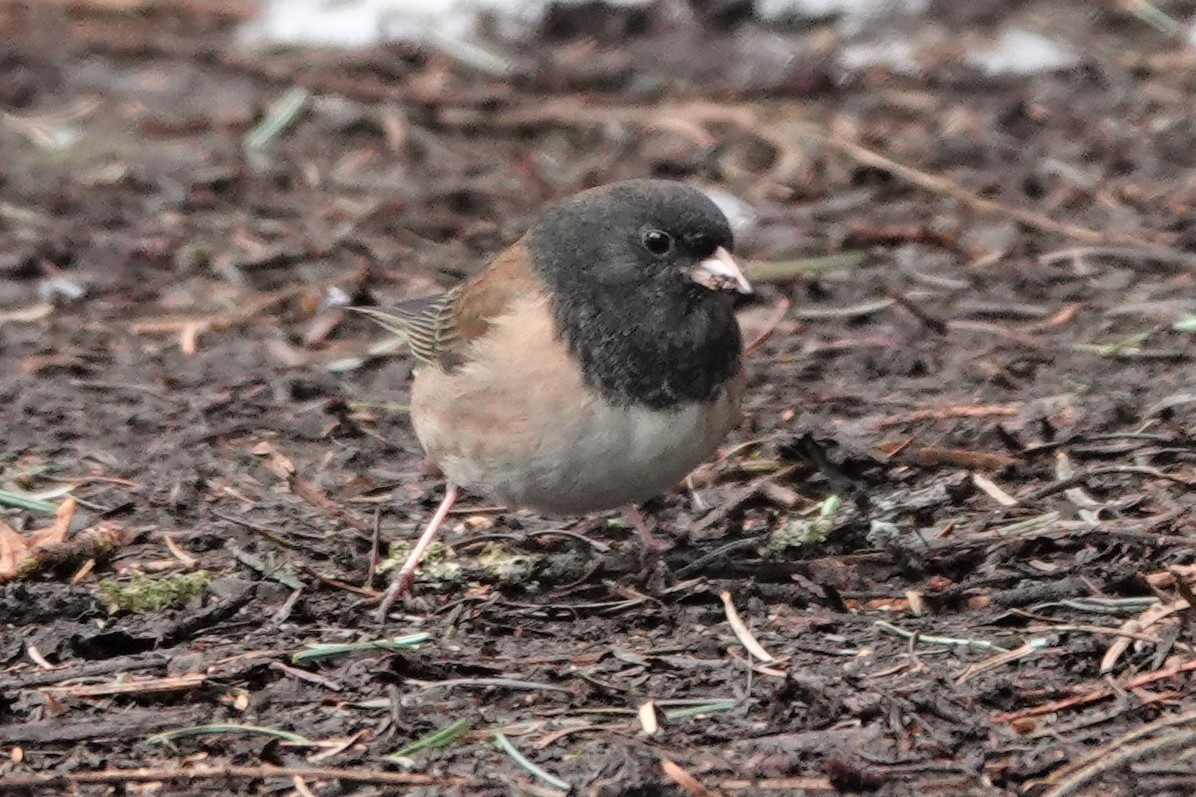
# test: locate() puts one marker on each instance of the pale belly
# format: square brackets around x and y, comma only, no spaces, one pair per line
[605,460]
[526,431]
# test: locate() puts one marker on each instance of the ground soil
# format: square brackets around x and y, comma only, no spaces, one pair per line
[997,395]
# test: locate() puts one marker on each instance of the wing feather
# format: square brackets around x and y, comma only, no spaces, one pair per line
[428,324]
[440,328]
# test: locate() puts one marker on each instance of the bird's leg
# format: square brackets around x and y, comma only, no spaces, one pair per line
[406,575]
[653,572]
[652,546]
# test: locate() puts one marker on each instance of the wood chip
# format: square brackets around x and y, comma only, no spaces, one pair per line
[990,488]
[647,716]
[177,552]
[685,780]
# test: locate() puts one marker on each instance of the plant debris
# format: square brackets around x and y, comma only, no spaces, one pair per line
[957,521]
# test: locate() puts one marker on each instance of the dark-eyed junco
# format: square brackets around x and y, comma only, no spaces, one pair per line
[590,366]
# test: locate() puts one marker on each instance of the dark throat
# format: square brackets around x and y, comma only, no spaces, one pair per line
[661,354]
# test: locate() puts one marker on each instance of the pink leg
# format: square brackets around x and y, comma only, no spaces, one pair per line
[653,572]
[652,546]
[406,575]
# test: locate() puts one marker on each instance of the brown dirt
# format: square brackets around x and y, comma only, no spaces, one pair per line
[204,392]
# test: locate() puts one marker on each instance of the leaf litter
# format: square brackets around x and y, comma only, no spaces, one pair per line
[969,403]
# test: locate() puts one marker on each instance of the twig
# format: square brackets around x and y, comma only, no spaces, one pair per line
[1060,485]
[765,330]
[1126,738]
[70,780]
[1098,693]
[685,780]
[940,185]
[931,322]
[270,534]
[597,545]
[1174,258]
[955,411]
[1117,753]
[170,683]
[70,672]
[375,536]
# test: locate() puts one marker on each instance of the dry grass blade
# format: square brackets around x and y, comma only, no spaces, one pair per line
[1032,648]
[177,552]
[742,633]
[505,744]
[1132,627]
[758,324]
[977,644]
[280,116]
[23,501]
[200,730]
[438,738]
[322,650]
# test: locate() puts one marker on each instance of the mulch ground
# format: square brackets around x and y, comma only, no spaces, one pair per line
[958,517]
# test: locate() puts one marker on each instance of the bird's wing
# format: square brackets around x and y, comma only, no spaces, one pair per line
[440,328]
[428,324]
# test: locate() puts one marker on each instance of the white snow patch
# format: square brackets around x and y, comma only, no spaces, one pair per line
[362,23]
[1023,52]
[896,54]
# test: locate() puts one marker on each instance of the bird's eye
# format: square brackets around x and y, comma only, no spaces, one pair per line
[658,242]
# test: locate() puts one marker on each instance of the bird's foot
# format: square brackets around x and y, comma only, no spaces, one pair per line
[402,584]
[654,574]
